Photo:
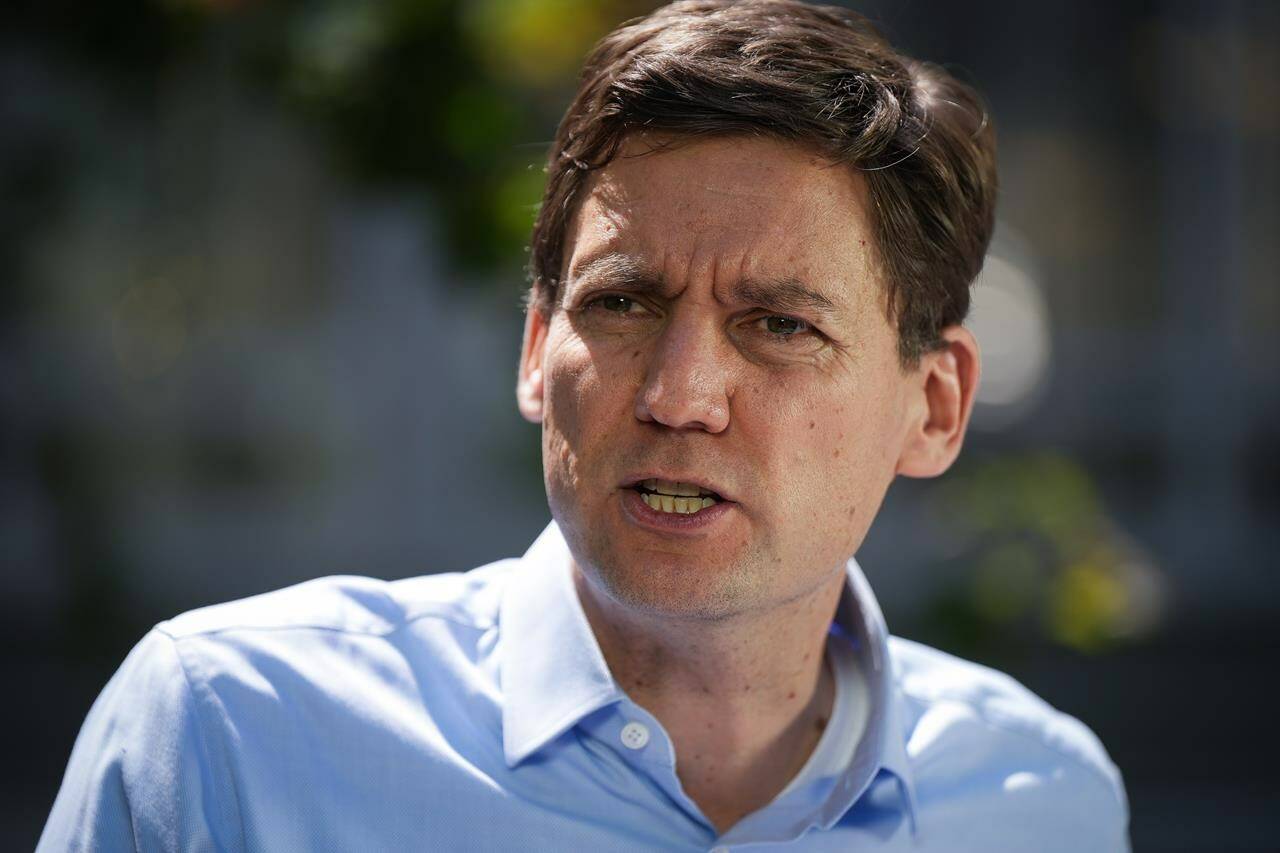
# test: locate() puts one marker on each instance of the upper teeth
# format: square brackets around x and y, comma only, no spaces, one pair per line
[667,487]
[684,506]
[684,498]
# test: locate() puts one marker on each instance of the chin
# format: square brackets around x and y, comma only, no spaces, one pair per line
[684,580]
[674,586]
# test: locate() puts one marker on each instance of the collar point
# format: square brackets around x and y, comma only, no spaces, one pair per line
[514,756]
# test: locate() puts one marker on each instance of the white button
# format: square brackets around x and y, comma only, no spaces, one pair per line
[635,735]
[719,850]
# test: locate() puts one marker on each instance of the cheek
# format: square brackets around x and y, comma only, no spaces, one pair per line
[582,400]
[567,383]
[836,466]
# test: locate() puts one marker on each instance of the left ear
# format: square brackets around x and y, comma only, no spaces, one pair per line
[946,382]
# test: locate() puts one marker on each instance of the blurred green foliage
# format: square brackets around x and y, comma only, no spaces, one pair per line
[1039,559]
[457,98]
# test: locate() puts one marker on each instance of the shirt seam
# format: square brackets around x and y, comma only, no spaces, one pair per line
[1091,769]
[200,727]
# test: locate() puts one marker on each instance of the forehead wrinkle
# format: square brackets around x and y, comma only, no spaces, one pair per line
[707,263]
[669,259]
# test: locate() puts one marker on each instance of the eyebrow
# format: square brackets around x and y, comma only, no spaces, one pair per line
[785,295]
[616,271]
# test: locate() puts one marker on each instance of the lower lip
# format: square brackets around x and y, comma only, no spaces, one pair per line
[672,522]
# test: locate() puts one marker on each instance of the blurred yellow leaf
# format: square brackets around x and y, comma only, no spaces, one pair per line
[1086,603]
[538,42]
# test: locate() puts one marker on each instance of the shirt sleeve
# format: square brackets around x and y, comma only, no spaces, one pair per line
[142,775]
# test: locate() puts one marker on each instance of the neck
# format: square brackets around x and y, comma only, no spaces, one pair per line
[744,698]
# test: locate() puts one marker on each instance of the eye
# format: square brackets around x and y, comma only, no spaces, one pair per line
[777,335]
[784,327]
[615,304]
[613,311]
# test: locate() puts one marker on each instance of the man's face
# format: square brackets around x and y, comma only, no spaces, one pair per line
[720,325]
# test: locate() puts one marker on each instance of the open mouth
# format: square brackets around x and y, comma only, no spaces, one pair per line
[676,497]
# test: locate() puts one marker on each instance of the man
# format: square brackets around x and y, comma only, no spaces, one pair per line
[750,271]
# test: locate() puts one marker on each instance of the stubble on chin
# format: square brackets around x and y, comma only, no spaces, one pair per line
[667,585]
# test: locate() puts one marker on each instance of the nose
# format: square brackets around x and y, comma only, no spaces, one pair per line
[686,384]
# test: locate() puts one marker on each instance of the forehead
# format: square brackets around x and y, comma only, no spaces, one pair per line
[759,206]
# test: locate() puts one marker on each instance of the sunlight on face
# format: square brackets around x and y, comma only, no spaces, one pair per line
[721,329]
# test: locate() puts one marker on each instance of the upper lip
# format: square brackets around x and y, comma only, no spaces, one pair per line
[692,479]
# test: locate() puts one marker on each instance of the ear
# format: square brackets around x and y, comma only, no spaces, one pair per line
[529,382]
[944,385]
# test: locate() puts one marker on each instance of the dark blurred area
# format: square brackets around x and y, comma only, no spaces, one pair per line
[263,265]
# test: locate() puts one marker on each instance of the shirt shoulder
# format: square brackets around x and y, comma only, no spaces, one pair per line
[979,730]
[355,605]
[218,697]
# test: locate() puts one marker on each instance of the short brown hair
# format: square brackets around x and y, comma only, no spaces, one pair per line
[819,76]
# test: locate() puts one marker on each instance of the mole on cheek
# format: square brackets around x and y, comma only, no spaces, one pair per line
[836,455]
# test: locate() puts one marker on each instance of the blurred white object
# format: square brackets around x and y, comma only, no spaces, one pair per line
[1010,318]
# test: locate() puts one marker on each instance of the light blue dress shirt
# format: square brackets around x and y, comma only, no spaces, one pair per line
[475,712]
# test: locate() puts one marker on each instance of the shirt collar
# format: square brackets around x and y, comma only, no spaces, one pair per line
[858,615]
[554,674]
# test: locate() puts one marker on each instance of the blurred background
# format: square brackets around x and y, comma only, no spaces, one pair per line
[263,265]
